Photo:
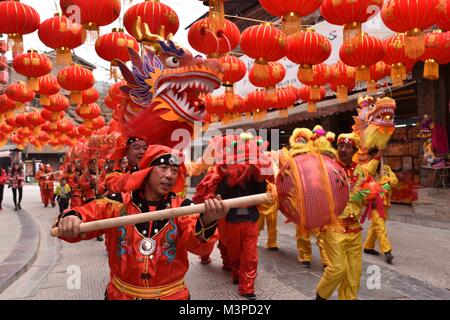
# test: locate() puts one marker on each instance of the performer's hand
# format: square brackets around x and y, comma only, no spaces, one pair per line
[215,210]
[69,227]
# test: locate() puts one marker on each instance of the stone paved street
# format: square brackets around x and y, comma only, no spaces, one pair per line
[421,267]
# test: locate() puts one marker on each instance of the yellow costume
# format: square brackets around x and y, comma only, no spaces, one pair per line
[377,229]
[342,242]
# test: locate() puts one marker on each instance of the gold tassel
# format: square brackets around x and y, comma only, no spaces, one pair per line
[271,95]
[372,86]
[76,97]
[305,73]
[260,69]
[88,123]
[353,31]
[229,96]
[362,74]
[342,93]
[283,113]
[45,100]
[15,42]
[431,70]
[398,74]
[55,116]
[314,93]
[312,107]
[414,43]
[216,14]
[63,56]
[33,84]
[292,23]
[84,108]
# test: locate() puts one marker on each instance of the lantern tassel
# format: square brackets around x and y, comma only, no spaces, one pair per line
[271,95]
[352,32]
[314,93]
[76,97]
[362,74]
[312,107]
[342,93]
[283,113]
[292,23]
[229,96]
[414,43]
[260,69]
[15,42]
[63,56]
[45,100]
[305,73]
[372,86]
[398,74]
[33,84]
[431,70]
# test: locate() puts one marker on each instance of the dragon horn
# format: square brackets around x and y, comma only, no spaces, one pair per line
[142,33]
[127,74]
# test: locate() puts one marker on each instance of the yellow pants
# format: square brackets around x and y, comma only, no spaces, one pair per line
[271,221]
[344,252]
[304,247]
[377,230]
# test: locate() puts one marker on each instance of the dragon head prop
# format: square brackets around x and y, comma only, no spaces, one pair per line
[374,123]
[163,90]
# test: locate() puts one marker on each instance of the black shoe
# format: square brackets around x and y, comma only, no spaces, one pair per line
[324,266]
[273,249]
[19,206]
[388,257]
[306,264]
[15,208]
[235,281]
[319,297]
[372,251]
[249,296]
[100,238]
[45,205]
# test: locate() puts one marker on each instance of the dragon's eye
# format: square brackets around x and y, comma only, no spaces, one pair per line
[172,62]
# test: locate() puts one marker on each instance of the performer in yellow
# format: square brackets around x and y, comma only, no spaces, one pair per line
[342,242]
[301,142]
[379,211]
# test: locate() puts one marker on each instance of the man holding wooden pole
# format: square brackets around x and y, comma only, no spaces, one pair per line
[148,260]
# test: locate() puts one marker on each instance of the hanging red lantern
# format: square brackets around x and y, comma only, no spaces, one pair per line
[308,48]
[257,103]
[75,78]
[264,43]
[89,96]
[51,116]
[11,121]
[7,106]
[18,140]
[20,93]
[304,95]
[350,14]
[342,80]
[89,111]
[110,103]
[32,65]
[17,19]
[321,76]
[234,70]
[35,121]
[6,128]
[291,12]
[377,72]
[48,85]
[21,120]
[362,54]
[58,103]
[204,39]
[115,45]
[64,125]
[160,18]
[43,136]
[436,51]
[93,14]
[444,17]
[396,57]
[84,131]
[274,73]
[96,123]
[286,98]
[412,17]
[62,35]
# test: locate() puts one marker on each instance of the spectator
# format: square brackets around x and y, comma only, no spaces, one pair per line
[3,180]
[16,180]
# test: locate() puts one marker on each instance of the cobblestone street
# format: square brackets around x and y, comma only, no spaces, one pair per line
[420,271]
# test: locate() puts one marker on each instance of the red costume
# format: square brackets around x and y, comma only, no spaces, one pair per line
[39,173]
[47,180]
[147,260]
[77,193]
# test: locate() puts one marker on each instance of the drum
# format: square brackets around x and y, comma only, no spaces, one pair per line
[312,189]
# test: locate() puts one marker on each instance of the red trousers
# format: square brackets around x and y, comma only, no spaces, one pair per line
[240,240]
[41,188]
[48,197]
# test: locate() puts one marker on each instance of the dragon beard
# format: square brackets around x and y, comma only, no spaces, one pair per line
[377,136]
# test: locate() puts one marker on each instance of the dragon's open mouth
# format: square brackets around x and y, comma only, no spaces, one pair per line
[181,91]
[383,116]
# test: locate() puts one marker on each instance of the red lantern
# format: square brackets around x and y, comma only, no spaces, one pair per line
[18,140]
[43,137]
[412,17]
[234,70]
[89,96]
[321,75]
[204,39]
[88,111]
[444,17]
[350,14]
[96,123]
[342,80]
[21,120]
[32,65]
[6,128]
[264,43]
[58,103]
[63,35]
[291,11]
[50,116]
[93,14]
[362,54]
[304,94]
[65,125]
[6,105]
[274,73]
[436,52]
[20,93]
[286,98]
[84,131]
[257,102]
[396,57]
[377,72]
[160,18]
[16,20]
[34,119]
[308,48]
[115,45]
[110,103]
[48,85]
[11,121]
[75,78]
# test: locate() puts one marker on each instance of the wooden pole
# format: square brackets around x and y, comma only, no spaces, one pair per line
[241,202]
